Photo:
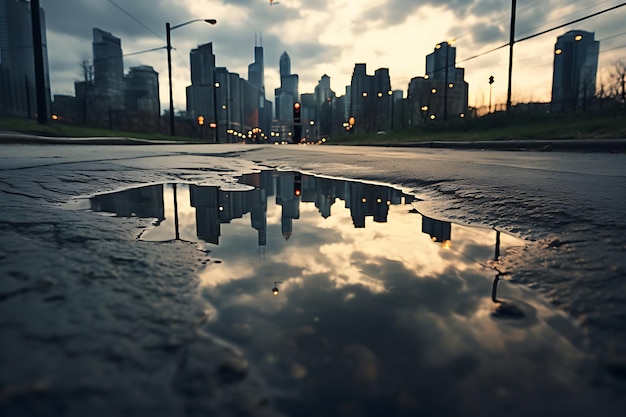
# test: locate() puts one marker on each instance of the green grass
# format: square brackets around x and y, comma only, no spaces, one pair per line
[496,126]
[60,129]
[500,126]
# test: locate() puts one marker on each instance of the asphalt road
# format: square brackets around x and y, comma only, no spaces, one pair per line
[66,295]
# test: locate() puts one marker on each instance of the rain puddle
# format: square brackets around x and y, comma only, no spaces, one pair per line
[348,301]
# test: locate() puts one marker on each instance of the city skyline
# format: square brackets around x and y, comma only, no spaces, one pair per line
[390,35]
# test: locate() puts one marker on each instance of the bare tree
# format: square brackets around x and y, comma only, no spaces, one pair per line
[85,92]
[618,73]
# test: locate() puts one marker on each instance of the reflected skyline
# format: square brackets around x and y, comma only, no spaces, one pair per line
[358,299]
[214,206]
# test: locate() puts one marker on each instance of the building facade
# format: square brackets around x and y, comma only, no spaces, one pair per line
[142,91]
[287,94]
[440,95]
[201,95]
[370,100]
[17,60]
[574,71]
[108,66]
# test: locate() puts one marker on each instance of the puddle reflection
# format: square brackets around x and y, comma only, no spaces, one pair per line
[350,302]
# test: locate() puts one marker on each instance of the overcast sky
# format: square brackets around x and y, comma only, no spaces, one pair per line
[330,36]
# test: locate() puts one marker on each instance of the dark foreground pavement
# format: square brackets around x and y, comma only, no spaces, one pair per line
[95,322]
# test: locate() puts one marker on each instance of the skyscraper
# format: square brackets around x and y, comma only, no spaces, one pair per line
[287,93]
[256,70]
[17,59]
[575,66]
[442,94]
[324,101]
[108,69]
[142,90]
[370,99]
[256,78]
[201,93]
[436,67]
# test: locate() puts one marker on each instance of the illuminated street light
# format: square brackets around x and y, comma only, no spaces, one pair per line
[168,29]
[275,289]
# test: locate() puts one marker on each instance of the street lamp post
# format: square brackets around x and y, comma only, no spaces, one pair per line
[168,29]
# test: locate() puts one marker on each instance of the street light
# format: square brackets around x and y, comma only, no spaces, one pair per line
[168,29]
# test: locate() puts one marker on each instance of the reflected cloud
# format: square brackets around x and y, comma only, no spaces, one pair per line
[340,290]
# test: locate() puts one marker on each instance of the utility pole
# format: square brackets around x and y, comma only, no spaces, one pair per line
[511,42]
[445,88]
[40,84]
[491,81]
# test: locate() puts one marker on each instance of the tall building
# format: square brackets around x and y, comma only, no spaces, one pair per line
[256,70]
[201,94]
[575,66]
[287,93]
[108,70]
[17,59]
[256,78]
[442,94]
[370,99]
[142,90]
[324,102]
[436,67]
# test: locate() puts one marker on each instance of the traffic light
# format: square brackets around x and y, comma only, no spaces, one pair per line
[491,79]
[297,185]
[297,125]
[296,112]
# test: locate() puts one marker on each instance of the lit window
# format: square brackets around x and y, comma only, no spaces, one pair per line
[558,52]
[432,117]
[578,37]
[434,90]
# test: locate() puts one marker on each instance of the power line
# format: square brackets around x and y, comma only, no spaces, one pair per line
[612,49]
[545,31]
[611,37]
[572,22]
[135,19]
[147,50]
[571,14]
